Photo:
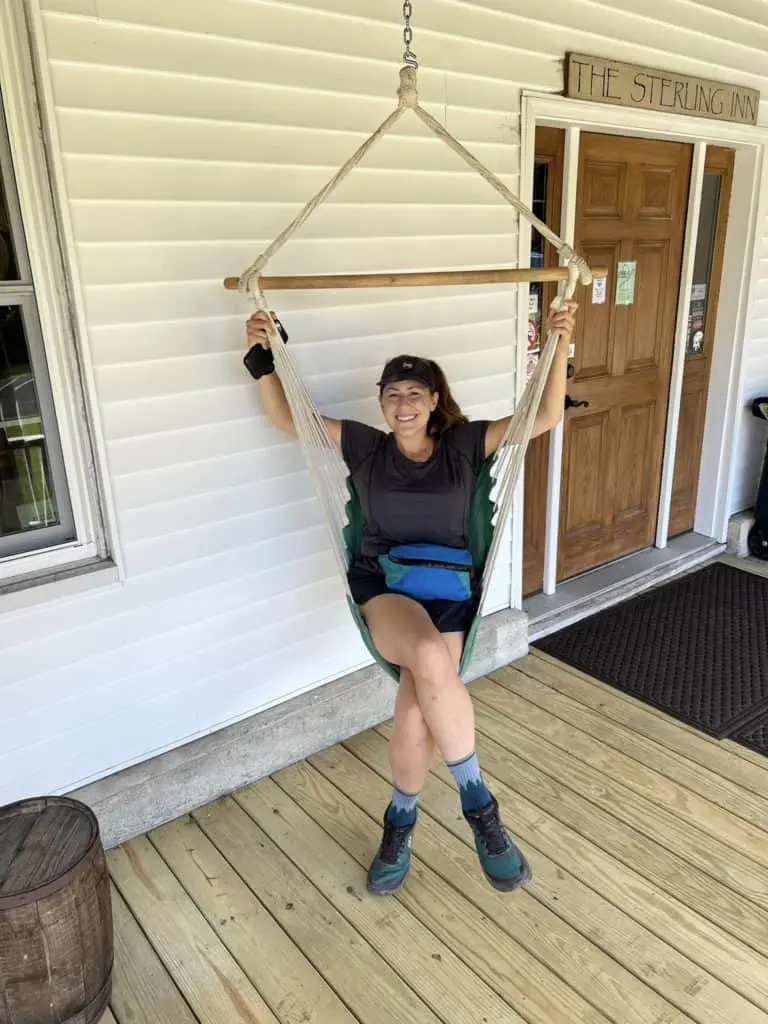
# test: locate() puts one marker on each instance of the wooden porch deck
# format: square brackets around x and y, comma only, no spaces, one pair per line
[648,905]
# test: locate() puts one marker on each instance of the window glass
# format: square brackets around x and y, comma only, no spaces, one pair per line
[702,264]
[27,495]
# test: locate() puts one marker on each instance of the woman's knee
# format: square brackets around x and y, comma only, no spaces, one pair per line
[403,632]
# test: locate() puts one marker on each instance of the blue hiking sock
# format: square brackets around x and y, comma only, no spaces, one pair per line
[402,811]
[472,789]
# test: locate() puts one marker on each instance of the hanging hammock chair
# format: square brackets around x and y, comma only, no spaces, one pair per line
[341,507]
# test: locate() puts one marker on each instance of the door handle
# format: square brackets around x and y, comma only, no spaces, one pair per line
[572,403]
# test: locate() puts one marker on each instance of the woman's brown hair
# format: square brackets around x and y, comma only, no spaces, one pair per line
[447,413]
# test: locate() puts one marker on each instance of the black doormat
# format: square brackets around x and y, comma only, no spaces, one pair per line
[754,736]
[696,648]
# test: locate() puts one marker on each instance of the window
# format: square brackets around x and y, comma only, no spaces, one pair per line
[35,510]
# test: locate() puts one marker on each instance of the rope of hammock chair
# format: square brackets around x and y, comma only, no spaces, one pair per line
[329,473]
[326,466]
[408,100]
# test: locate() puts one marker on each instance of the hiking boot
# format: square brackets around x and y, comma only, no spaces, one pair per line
[503,864]
[393,860]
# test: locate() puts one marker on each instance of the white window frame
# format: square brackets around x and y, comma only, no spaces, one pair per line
[54,287]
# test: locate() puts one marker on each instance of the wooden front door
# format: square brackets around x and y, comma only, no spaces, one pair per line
[631,210]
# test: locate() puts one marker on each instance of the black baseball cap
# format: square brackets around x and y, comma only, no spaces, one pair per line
[409,368]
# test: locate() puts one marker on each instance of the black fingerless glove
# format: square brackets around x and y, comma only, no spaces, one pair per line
[260,361]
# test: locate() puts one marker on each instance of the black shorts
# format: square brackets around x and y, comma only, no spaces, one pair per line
[367,582]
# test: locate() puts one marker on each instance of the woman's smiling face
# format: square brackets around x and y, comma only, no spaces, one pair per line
[407,406]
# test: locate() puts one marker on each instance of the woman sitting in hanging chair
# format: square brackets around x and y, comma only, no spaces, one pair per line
[413,581]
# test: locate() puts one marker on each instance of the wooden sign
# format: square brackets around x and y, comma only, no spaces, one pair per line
[631,85]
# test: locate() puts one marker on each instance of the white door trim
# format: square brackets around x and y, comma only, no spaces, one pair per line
[739,276]
[555,470]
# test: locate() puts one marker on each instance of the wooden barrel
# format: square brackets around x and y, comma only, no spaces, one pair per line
[56,938]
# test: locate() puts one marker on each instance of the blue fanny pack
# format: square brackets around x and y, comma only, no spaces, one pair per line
[428,572]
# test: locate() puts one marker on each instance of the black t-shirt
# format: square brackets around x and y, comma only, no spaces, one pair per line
[407,502]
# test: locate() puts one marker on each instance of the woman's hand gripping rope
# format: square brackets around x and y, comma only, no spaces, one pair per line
[259,360]
[563,322]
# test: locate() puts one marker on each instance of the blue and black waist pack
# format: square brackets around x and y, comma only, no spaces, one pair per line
[429,572]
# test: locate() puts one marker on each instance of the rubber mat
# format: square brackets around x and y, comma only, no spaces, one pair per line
[696,648]
[754,736]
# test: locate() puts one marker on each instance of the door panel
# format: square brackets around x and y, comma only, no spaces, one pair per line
[596,322]
[604,189]
[657,193]
[631,211]
[685,487]
[586,453]
[632,483]
[646,340]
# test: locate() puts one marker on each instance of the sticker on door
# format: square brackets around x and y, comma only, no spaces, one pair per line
[625,283]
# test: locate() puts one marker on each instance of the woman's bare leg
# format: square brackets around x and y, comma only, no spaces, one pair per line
[406,636]
[412,746]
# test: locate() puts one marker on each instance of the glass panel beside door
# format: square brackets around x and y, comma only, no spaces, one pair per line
[702,267]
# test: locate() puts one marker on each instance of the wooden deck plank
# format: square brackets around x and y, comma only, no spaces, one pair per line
[210,979]
[429,966]
[627,770]
[373,991]
[648,905]
[143,991]
[651,753]
[107,1017]
[730,760]
[519,978]
[556,947]
[604,900]
[724,864]
[586,840]
[285,977]
[731,903]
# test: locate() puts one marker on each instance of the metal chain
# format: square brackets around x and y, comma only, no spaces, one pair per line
[409,57]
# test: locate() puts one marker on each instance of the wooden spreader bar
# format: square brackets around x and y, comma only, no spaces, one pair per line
[417,279]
